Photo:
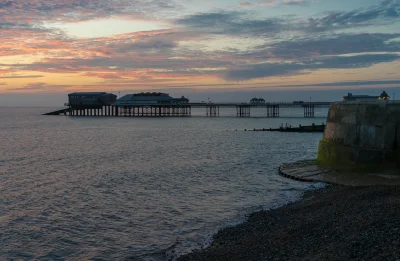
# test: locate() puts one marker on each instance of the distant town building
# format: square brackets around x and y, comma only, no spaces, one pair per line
[90,99]
[351,97]
[384,96]
[257,101]
[150,98]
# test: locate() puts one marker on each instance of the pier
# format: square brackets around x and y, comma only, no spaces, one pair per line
[157,104]
[243,110]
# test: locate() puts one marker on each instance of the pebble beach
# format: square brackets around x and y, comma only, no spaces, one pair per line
[335,223]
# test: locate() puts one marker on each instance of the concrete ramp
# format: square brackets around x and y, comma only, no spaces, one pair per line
[58,112]
[308,170]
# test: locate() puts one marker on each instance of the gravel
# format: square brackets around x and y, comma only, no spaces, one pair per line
[336,223]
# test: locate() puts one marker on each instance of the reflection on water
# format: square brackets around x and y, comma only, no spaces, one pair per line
[120,188]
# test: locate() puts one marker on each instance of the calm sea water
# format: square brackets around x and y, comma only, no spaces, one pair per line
[137,188]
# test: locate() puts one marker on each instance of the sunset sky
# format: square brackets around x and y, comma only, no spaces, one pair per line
[185,47]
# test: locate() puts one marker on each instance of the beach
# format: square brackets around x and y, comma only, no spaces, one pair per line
[335,223]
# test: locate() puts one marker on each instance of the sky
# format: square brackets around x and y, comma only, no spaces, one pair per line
[227,50]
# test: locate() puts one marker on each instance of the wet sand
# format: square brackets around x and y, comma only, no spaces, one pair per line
[336,223]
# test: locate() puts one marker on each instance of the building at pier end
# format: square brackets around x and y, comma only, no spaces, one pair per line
[90,99]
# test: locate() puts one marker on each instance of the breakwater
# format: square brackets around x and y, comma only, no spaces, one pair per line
[300,128]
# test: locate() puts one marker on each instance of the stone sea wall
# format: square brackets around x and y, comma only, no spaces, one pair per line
[362,135]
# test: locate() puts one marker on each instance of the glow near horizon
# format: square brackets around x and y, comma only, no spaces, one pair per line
[107,27]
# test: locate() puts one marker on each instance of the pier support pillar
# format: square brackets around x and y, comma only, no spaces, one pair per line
[309,111]
[212,111]
[273,111]
[243,111]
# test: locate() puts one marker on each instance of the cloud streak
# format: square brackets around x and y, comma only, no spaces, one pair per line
[347,83]
[380,14]
[77,10]
[39,86]
[296,68]
[20,76]
[277,3]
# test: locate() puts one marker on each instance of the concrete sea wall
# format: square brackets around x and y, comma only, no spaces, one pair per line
[362,135]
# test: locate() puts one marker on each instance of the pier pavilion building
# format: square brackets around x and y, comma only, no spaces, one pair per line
[151,98]
[257,101]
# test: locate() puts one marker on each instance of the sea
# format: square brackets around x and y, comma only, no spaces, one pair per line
[151,189]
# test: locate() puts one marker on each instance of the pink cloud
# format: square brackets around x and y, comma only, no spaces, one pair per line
[285,2]
[269,2]
[39,87]
[245,4]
